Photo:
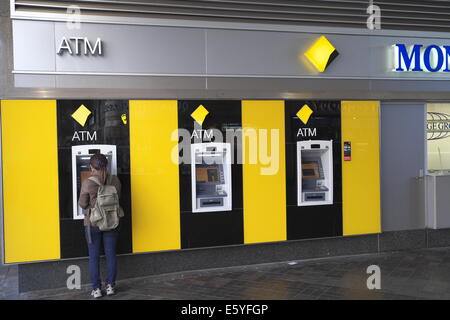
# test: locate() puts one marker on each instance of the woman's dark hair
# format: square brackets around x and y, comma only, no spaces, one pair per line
[98,161]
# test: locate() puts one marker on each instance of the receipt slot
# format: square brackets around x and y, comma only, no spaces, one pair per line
[211,177]
[315,172]
[81,171]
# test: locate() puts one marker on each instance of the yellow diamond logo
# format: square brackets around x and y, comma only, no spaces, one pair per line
[304,114]
[321,54]
[81,115]
[200,114]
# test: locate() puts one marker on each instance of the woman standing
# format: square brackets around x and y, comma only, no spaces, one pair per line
[94,236]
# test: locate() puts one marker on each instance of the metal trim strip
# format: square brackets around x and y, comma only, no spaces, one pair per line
[57,73]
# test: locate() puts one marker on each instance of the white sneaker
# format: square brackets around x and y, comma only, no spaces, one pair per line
[110,290]
[96,293]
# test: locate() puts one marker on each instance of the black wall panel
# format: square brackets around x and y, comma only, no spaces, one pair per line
[105,119]
[204,229]
[313,221]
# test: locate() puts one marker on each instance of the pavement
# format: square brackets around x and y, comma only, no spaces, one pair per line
[405,275]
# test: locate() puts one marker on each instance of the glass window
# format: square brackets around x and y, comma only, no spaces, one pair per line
[438,136]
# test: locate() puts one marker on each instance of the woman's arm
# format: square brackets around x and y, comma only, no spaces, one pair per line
[84,196]
[118,186]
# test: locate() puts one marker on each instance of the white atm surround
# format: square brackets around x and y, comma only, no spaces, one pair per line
[324,148]
[222,150]
[83,151]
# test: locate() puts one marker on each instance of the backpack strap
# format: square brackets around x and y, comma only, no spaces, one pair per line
[95,179]
[107,182]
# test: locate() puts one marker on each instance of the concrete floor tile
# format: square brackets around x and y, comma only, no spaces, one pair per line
[405,275]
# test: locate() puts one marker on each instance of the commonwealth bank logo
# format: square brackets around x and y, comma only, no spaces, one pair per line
[321,54]
[200,114]
[81,115]
[304,114]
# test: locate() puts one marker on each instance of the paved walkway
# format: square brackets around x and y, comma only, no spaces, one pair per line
[415,274]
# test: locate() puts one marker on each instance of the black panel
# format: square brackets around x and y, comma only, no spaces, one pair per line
[106,121]
[204,229]
[323,220]
[209,229]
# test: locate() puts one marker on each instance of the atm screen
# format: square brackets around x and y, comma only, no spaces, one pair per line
[310,170]
[309,173]
[207,174]
[84,175]
[81,170]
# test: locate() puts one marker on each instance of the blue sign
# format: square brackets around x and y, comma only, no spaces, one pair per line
[419,58]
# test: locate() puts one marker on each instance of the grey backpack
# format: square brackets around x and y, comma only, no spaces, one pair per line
[107,211]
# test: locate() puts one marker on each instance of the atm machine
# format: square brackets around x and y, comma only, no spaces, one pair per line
[211,177]
[315,172]
[81,171]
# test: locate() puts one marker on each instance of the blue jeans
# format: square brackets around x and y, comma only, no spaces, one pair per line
[109,242]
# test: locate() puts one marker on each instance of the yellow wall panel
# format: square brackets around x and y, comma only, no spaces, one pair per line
[30,180]
[264,194]
[361,175]
[154,177]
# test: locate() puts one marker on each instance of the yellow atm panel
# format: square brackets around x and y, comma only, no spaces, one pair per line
[30,180]
[361,167]
[154,176]
[264,180]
